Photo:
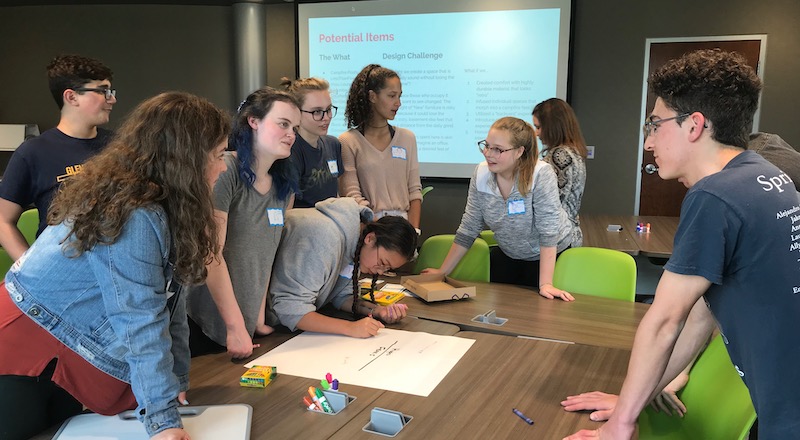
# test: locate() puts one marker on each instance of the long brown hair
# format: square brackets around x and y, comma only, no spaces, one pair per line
[158,157]
[559,126]
[522,136]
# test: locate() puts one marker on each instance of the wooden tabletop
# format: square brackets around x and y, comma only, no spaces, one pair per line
[596,233]
[588,320]
[278,411]
[497,374]
[658,242]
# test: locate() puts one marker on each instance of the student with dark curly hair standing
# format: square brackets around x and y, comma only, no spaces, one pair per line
[381,169]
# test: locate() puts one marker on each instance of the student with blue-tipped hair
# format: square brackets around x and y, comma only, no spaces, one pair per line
[251,200]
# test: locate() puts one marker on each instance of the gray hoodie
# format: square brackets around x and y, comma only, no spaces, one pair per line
[314,264]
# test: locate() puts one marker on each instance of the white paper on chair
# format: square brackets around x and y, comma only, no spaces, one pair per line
[394,360]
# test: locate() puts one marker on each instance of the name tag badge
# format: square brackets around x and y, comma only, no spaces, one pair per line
[347,272]
[399,153]
[275,216]
[516,207]
[333,167]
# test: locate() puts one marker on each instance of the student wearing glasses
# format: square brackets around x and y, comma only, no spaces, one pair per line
[251,199]
[516,196]
[381,170]
[564,148]
[735,261]
[323,252]
[82,90]
[317,156]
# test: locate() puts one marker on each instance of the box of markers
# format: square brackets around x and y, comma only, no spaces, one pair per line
[258,377]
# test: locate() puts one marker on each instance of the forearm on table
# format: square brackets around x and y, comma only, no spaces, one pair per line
[317,322]
[547,264]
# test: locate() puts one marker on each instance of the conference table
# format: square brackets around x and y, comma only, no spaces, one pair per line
[656,243]
[547,350]
[588,320]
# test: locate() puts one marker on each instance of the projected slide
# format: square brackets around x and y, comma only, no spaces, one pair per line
[460,71]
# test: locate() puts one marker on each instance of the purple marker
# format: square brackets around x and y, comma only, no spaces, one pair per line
[335,385]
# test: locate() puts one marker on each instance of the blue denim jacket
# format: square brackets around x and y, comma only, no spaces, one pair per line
[110,306]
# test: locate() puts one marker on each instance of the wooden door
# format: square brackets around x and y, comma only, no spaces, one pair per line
[664,197]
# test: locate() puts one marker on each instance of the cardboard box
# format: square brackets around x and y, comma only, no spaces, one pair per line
[434,287]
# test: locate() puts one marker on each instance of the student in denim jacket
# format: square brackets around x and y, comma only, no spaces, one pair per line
[92,314]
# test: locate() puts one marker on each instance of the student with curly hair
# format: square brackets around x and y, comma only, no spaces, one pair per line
[735,261]
[316,155]
[565,149]
[82,90]
[381,169]
[93,313]
[250,202]
[323,252]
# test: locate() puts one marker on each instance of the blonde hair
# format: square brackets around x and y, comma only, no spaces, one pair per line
[301,86]
[522,136]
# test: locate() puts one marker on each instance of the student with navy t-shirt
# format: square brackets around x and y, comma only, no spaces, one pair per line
[736,257]
[82,90]
[317,156]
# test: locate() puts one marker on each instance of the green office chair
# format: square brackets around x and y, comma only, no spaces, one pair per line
[5,263]
[718,405]
[426,190]
[473,267]
[488,237]
[28,224]
[596,271]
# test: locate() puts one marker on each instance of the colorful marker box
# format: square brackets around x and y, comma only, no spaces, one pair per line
[258,377]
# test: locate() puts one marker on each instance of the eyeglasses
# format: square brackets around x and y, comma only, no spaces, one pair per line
[319,115]
[380,268]
[651,126]
[110,93]
[484,148]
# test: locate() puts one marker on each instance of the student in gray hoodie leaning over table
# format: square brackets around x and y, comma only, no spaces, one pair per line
[322,253]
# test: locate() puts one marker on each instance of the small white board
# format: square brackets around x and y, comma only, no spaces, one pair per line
[230,422]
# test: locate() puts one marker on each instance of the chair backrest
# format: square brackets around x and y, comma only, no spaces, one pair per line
[5,263]
[718,405]
[596,271]
[426,190]
[488,237]
[28,224]
[473,267]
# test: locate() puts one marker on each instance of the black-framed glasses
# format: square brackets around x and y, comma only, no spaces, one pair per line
[319,115]
[651,126]
[109,93]
[484,148]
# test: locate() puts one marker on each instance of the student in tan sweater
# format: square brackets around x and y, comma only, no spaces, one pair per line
[381,169]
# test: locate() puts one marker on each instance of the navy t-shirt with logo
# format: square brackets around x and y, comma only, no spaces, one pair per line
[39,166]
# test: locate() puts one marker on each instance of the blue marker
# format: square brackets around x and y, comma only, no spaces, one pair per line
[335,385]
[522,416]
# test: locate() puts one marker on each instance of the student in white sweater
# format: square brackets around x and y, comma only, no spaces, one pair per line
[516,196]
[381,169]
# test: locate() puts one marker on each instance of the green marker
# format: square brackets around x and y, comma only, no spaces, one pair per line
[323,401]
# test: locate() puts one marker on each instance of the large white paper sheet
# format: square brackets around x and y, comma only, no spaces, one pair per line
[394,360]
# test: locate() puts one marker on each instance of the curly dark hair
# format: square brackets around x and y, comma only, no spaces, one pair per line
[372,77]
[72,72]
[158,157]
[257,105]
[720,85]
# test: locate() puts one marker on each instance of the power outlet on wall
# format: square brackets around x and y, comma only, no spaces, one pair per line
[590,151]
